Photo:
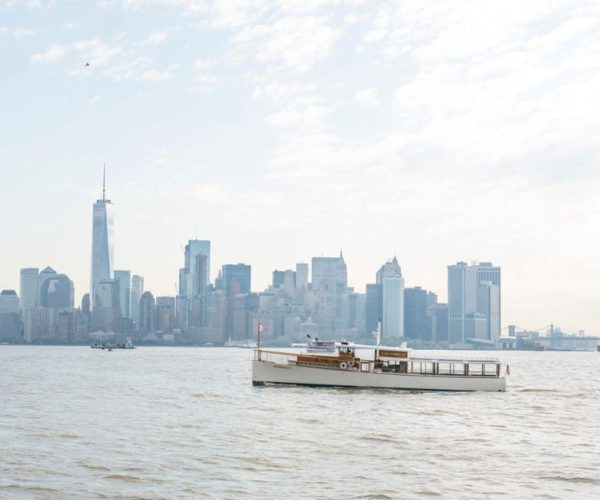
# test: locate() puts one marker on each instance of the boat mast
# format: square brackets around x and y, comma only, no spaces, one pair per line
[258,330]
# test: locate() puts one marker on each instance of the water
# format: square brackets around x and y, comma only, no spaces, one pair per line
[178,422]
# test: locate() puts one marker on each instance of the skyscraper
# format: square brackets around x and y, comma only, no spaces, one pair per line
[56,292]
[146,313]
[390,278]
[9,302]
[124,282]
[462,299]
[29,288]
[329,282]
[417,324]
[106,309]
[236,278]
[488,298]
[137,289]
[102,243]
[10,321]
[474,304]
[194,277]
[301,275]
[45,275]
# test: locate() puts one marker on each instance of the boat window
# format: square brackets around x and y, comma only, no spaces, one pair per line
[445,368]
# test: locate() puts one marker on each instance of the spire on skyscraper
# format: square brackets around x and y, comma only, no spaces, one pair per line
[104,183]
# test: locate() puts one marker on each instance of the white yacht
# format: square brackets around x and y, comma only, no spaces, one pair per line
[354,365]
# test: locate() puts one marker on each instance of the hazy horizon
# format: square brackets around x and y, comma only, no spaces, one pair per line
[431,132]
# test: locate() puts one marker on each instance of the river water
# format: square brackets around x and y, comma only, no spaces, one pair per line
[186,422]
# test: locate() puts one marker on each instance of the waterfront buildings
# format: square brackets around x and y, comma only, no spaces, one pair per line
[290,308]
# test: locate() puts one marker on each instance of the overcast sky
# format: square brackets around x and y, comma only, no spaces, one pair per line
[433,131]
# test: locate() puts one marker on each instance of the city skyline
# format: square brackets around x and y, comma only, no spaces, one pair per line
[104,229]
[252,127]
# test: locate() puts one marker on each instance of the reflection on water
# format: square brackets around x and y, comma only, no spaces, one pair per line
[166,422]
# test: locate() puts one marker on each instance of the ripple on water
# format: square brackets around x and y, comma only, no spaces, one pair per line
[213,434]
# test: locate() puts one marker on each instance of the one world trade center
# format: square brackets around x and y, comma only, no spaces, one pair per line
[102,243]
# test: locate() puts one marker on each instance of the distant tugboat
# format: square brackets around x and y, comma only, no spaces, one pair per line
[110,346]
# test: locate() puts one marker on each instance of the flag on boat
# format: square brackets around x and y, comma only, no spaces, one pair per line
[260,328]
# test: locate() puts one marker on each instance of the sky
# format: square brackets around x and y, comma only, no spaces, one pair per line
[432,131]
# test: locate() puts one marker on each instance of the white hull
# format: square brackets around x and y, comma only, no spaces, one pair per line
[265,372]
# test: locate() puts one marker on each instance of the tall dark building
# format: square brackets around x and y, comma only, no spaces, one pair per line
[236,278]
[416,321]
[164,314]
[146,313]
[373,307]
[438,314]
[57,292]
[10,319]
[278,279]
[107,307]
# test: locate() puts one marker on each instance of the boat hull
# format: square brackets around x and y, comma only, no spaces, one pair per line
[266,372]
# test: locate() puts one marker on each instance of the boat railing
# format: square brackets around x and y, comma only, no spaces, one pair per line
[475,367]
[468,368]
[279,357]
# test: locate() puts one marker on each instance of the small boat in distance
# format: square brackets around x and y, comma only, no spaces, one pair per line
[316,345]
[110,345]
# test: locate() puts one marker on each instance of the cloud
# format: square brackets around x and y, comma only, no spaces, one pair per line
[96,52]
[300,116]
[367,97]
[203,83]
[296,43]
[154,75]
[202,64]
[52,54]
[16,31]
[156,38]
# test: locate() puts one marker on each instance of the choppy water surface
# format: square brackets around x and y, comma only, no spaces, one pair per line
[167,422]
